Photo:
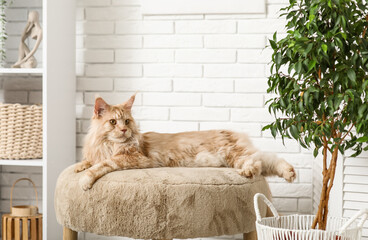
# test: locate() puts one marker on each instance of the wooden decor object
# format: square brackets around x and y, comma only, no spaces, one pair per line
[24,222]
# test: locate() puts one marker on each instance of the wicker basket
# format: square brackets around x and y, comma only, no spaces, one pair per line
[20,131]
[298,227]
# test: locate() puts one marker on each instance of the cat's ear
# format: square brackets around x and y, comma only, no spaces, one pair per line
[100,107]
[129,104]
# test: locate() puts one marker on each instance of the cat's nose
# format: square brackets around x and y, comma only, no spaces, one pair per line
[124,130]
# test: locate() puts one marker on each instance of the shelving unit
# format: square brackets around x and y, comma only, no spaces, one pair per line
[58,100]
[37,71]
[28,162]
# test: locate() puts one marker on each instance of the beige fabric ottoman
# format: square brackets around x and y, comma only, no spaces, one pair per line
[159,203]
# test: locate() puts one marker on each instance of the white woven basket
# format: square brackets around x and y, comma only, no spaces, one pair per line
[20,131]
[298,227]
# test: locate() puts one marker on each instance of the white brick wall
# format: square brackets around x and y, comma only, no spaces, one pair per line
[192,72]
[202,6]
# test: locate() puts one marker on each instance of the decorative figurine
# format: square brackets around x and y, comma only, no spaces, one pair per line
[33,30]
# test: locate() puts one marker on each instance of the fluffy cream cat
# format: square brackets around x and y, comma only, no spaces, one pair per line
[115,143]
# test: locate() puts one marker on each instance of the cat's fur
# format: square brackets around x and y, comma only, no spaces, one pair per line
[113,144]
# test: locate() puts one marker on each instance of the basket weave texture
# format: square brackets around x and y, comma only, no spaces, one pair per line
[20,131]
[298,227]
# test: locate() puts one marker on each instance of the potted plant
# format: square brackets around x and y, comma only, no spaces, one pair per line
[319,75]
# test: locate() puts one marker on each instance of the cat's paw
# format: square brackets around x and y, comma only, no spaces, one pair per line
[86,182]
[289,174]
[79,167]
[250,170]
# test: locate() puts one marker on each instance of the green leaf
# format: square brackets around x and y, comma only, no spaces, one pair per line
[343,22]
[351,95]
[303,145]
[273,131]
[339,43]
[297,34]
[266,127]
[308,49]
[313,9]
[365,84]
[274,36]
[361,110]
[298,67]
[329,3]
[301,107]
[352,75]
[344,35]
[311,64]
[273,44]
[330,102]
[278,58]
[337,102]
[324,47]
[362,139]
[315,152]
[306,98]
[282,103]
[294,132]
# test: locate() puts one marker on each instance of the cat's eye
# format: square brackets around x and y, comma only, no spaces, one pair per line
[127,121]
[112,121]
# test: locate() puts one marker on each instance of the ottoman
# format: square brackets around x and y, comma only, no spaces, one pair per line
[160,203]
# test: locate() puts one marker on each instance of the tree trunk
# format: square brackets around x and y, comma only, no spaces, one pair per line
[328,178]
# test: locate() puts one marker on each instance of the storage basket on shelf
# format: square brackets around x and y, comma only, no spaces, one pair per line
[23,222]
[298,227]
[20,131]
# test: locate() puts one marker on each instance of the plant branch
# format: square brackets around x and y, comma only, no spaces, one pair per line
[331,171]
[365,29]
[351,127]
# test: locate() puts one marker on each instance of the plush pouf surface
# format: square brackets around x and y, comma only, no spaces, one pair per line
[160,203]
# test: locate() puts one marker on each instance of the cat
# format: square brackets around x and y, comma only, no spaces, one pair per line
[114,143]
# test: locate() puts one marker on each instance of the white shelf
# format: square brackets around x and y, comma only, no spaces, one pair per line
[58,101]
[26,162]
[21,70]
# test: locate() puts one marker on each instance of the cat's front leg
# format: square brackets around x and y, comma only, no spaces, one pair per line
[81,166]
[118,162]
[273,165]
[95,172]
[249,167]
[266,164]
[285,170]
